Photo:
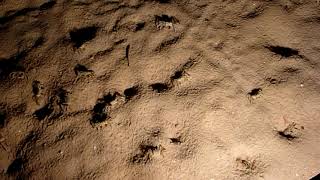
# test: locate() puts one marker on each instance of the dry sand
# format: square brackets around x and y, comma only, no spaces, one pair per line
[163,89]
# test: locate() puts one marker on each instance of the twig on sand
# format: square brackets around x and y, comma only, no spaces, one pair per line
[127,53]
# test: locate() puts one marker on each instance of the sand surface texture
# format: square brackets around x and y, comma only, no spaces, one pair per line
[159,89]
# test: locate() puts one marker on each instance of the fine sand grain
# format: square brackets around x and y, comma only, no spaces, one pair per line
[159,89]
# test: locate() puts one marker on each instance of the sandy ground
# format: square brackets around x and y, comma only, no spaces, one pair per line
[163,89]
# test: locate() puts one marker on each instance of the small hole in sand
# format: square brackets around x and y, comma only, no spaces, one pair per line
[2,119]
[176,140]
[47,5]
[99,113]
[131,92]
[283,51]
[177,75]
[78,69]
[255,92]
[82,35]
[159,87]
[43,112]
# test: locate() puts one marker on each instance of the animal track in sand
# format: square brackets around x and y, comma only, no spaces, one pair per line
[17,165]
[113,100]
[11,66]
[25,11]
[56,106]
[17,75]
[101,110]
[144,154]
[82,72]
[134,26]
[66,134]
[249,166]
[168,43]
[253,10]
[182,70]
[165,21]
[37,89]
[61,98]
[290,131]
